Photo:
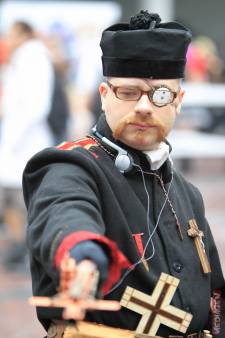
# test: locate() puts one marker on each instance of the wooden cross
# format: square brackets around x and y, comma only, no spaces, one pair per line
[195,233]
[156,309]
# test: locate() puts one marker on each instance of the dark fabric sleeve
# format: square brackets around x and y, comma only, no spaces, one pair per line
[64,208]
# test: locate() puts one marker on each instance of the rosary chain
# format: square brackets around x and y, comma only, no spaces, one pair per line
[161,184]
[101,146]
[169,201]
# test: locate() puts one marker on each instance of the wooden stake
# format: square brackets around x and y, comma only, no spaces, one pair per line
[92,330]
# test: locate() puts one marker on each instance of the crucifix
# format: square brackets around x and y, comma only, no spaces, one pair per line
[197,234]
[156,309]
[77,288]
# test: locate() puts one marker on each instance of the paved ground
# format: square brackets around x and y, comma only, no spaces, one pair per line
[18,320]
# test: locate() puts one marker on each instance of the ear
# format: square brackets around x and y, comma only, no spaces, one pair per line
[179,100]
[103,90]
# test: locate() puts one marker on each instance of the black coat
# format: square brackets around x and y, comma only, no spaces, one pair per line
[75,192]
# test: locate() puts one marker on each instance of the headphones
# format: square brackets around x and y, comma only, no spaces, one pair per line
[124,161]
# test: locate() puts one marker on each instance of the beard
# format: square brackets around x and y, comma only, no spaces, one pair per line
[149,121]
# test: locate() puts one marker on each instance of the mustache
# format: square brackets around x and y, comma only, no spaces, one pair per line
[131,119]
[148,122]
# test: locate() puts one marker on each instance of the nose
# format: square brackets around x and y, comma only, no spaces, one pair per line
[143,106]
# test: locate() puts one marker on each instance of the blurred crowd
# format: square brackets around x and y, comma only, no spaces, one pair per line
[205,65]
[41,105]
[48,93]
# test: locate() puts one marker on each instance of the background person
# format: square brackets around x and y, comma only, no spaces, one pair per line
[27,84]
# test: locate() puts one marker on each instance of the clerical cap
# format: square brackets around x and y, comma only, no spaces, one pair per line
[145,48]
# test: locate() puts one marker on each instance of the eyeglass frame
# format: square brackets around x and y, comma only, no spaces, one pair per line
[142,92]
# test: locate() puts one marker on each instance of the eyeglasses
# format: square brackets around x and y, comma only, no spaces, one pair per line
[160,96]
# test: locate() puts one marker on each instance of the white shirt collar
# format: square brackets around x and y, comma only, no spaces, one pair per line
[158,156]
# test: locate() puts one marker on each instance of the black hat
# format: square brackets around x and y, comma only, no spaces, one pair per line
[145,48]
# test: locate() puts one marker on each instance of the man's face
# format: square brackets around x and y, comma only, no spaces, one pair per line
[140,124]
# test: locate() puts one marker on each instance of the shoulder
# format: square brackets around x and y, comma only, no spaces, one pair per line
[75,152]
[35,50]
[85,143]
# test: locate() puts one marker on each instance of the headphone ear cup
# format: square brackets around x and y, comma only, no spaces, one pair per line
[123,163]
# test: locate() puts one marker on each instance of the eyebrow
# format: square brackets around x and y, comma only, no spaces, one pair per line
[160,85]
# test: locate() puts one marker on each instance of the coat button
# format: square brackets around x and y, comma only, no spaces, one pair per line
[178,267]
[188,309]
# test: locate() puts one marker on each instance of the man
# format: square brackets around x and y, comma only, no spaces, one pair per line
[26,98]
[115,198]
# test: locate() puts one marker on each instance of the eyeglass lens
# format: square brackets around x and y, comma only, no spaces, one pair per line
[159,96]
